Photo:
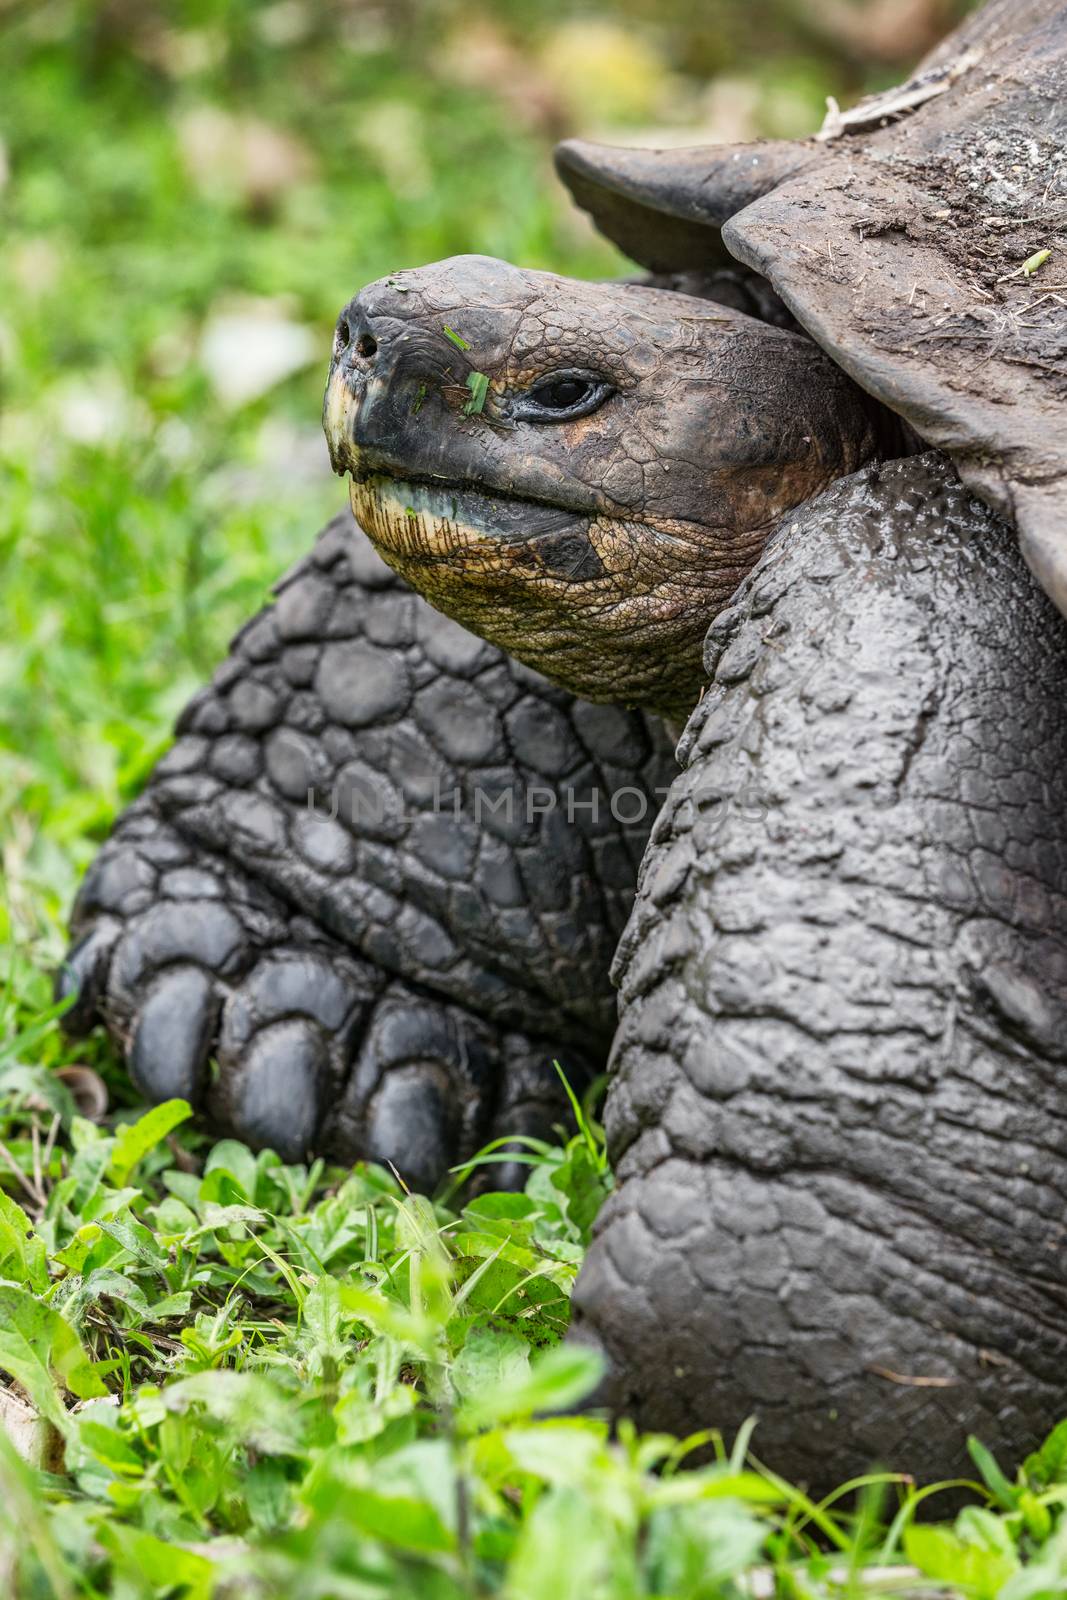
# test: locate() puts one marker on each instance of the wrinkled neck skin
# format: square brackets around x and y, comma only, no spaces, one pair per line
[581,473]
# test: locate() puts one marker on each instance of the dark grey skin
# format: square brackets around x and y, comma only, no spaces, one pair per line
[838,1109]
[630,452]
[835,1108]
[385,966]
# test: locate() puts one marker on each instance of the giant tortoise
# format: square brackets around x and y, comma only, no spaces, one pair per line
[769,500]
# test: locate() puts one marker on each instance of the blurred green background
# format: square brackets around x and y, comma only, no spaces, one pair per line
[188,193]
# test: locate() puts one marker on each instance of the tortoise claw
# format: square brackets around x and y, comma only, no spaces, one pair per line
[84,976]
[285,1044]
[276,1096]
[420,1093]
[173,1035]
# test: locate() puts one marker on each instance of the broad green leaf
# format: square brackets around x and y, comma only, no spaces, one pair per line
[491,1360]
[585,1184]
[424,1470]
[80,1247]
[388,1317]
[184,1186]
[22,1253]
[86,1174]
[564,1451]
[407,1498]
[359,1418]
[158,1565]
[230,1174]
[42,1352]
[986,1530]
[565,1551]
[99,1284]
[138,1240]
[399,1520]
[269,1495]
[502,1206]
[1048,1464]
[257,1411]
[529,1297]
[1044,1577]
[172,1218]
[694,1550]
[85,1134]
[216,1218]
[108,1446]
[558,1380]
[135,1139]
[323,1313]
[942,1554]
[172,1305]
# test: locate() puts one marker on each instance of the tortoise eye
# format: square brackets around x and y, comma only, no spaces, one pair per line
[561,396]
[561,393]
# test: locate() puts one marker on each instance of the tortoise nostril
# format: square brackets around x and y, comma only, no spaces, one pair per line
[367,345]
[341,337]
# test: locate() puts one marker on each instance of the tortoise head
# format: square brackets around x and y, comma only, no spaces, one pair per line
[580,472]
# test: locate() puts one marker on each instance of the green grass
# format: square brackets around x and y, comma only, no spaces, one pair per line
[273,1381]
[142,517]
[266,1380]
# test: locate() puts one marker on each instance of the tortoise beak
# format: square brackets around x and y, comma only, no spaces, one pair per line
[338,421]
[383,371]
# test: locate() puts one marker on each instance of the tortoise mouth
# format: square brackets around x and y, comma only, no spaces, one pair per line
[568,499]
[435,519]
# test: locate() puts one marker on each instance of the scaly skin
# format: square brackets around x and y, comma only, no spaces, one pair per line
[592,541]
[835,1108]
[837,1111]
[392,980]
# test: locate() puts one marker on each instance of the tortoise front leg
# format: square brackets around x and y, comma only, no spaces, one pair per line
[838,1112]
[349,913]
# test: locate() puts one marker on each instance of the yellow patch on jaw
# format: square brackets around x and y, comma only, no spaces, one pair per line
[384,508]
[599,637]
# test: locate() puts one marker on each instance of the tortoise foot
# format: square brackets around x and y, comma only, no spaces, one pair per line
[216,992]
